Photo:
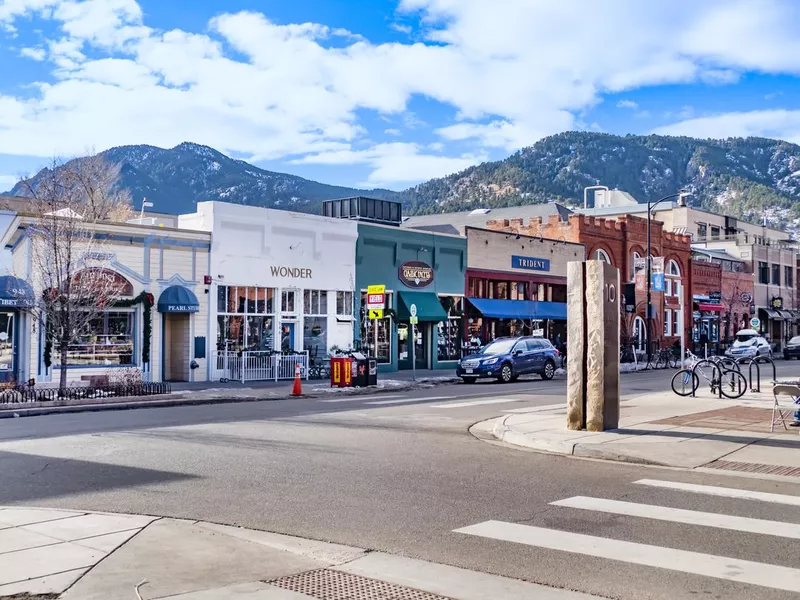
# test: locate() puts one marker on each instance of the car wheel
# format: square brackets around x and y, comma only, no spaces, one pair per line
[505,374]
[469,380]
[549,370]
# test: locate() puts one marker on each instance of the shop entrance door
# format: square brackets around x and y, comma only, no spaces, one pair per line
[176,346]
[8,363]
[422,331]
[287,337]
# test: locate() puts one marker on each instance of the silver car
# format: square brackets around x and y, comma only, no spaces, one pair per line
[749,344]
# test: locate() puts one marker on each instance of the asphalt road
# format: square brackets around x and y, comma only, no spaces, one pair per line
[399,472]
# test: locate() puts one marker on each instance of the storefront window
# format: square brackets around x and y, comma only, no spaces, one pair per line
[315,302]
[315,323]
[376,333]
[517,291]
[315,335]
[449,338]
[344,304]
[259,333]
[246,322]
[107,339]
[288,301]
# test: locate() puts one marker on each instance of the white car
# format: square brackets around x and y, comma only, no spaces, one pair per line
[749,344]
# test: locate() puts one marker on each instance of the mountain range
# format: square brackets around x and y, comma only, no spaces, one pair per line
[756,179]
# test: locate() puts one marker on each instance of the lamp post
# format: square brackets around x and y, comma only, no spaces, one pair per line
[681,196]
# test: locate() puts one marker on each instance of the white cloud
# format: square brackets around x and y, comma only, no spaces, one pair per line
[628,104]
[396,162]
[245,84]
[37,54]
[783,124]
[392,132]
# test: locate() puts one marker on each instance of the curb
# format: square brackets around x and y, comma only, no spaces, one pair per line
[186,400]
[569,448]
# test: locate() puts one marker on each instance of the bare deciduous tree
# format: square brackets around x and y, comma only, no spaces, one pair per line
[68,200]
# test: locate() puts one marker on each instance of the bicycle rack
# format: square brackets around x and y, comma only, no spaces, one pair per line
[756,362]
[715,369]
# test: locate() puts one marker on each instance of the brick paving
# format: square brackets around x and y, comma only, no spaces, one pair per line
[739,418]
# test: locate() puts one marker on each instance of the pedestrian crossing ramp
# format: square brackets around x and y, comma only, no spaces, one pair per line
[750,572]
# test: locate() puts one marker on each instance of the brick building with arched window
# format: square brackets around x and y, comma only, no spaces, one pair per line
[620,241]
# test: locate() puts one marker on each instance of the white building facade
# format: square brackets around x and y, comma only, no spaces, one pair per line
[279,281]
[158,324]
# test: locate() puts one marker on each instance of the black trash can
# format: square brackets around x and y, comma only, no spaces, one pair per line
[372,372]
[360,370]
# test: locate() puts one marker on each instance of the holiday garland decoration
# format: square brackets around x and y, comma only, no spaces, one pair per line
[146,299]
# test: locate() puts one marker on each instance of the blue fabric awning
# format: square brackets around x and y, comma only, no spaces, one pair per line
[520,309]
[178,299]
[15,292]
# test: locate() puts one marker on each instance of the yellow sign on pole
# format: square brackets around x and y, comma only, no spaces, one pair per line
[375,313]
[376,289]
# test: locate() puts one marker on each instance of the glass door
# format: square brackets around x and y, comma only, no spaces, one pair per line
[421,345]
[7,362]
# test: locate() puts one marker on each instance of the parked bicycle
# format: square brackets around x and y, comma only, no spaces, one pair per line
[722,378]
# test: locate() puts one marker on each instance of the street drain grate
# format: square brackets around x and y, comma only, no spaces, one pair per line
[327,584]
[745,467]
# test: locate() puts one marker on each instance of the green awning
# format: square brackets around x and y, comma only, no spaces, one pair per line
[428,306]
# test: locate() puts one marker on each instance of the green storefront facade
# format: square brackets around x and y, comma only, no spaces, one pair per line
[423,273]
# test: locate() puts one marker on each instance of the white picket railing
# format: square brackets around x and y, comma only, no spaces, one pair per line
[259,366]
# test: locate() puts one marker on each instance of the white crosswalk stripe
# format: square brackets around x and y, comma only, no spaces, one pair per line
[406,400]
[678,515]
[674,559]
[477,402]
[722,491]
[719,567]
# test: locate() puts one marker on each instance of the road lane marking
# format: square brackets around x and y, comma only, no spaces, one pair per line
[477,403]
[535,409]
[722,491]
[678,515]
[407,400]
[359,398]
[708,565]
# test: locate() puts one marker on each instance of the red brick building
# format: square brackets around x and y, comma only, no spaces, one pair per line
[620,241]
[722,291]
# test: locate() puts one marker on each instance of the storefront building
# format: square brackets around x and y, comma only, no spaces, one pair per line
[517,285]
[424,273]
[621,242]
[722,295]
[157,323]
[278,281]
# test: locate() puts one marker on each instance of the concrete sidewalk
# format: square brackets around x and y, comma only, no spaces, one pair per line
[99,556]
[665,429]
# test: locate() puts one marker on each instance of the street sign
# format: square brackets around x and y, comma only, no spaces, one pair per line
[413,320]
[376,300]
[375,313]
[376,289]
[413,310]
[755,322]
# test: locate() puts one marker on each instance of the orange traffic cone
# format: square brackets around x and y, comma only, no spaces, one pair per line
[297,389]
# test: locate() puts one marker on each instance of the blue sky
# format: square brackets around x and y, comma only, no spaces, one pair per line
[386,93]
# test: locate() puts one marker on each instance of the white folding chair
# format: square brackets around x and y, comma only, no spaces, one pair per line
[783,411]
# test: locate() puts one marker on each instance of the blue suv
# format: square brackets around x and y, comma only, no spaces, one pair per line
[505,359]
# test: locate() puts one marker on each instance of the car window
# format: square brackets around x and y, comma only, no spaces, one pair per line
[534,345]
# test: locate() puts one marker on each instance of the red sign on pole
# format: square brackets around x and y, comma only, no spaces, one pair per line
[376,300]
